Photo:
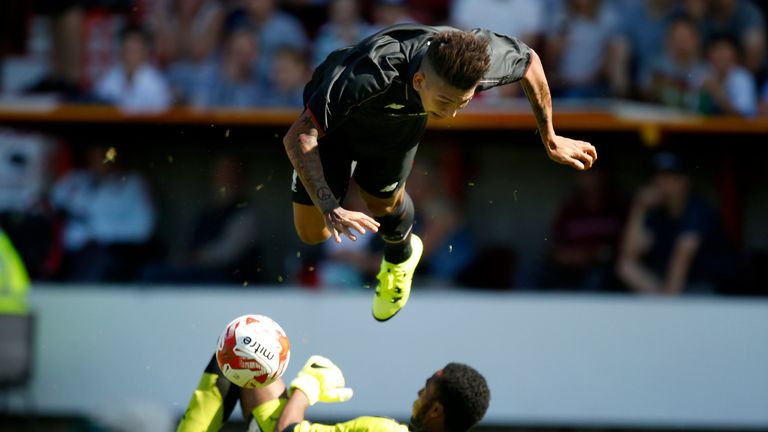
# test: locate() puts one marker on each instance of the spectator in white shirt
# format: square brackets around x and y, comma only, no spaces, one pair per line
[108,219]
[578,48]
[134,84]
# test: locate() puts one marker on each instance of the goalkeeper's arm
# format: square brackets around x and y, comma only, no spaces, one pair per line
[292,419]
[293,413]
[318,381]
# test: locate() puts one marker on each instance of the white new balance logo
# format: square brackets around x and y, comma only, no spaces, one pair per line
[390,188]
[394,106]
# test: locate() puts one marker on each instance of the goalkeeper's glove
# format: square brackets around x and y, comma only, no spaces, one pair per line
[321,380]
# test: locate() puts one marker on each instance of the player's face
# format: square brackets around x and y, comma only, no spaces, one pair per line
[439,99]
[424,403]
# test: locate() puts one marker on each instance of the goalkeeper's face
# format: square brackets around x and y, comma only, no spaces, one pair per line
[427,410]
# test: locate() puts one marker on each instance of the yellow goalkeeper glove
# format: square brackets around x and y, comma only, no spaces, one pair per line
[321,380]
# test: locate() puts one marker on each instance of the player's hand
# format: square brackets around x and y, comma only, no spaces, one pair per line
[321,380]
[578,154]
[344,222]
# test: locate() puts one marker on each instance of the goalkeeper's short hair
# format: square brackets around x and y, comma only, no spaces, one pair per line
[464,394]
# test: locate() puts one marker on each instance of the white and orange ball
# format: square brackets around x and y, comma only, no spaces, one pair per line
[253,351]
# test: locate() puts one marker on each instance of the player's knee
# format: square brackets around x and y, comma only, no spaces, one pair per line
[312,236]
[382,206]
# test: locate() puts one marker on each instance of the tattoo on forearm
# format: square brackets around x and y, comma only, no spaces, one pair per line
[304,155]
[306,121]
[324,193]
[541,105]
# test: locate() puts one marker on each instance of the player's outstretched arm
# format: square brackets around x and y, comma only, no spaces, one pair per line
[302,148]
[318,381]
[578,154]
[293,413]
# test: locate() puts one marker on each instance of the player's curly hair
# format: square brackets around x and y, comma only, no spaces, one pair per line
[464,394]
[460,58]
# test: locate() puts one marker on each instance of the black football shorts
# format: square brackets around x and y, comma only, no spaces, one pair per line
[378,176]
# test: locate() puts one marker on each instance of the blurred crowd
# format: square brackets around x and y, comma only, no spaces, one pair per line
[702,56]
[92,218]
[88,216]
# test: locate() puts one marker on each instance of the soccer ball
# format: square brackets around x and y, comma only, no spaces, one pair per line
[253,351]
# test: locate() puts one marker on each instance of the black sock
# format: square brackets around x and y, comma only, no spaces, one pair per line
[399,252]
[230,393]
[395,229]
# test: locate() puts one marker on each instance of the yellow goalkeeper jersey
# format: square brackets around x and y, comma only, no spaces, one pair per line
[360,424]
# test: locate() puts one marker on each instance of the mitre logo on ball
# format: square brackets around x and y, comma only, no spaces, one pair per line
[253,351]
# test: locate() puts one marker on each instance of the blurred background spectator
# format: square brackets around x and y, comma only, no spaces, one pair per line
[705,57]
[223,244]
[134,84]
[647,50]
[232,82]
[641,36]
[586,235]
[108,218]
[26,167]
[673,78]
[187,34]
[287,78]
[273,29]
[673,241]
[579,47]
[743,22]
[65,19]
[345,27]
[727,87]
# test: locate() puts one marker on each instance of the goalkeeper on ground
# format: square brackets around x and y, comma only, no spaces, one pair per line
[453,399]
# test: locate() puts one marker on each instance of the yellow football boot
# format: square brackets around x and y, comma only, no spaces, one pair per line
[394,285]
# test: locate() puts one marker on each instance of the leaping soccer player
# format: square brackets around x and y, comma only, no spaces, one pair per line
[370,103]
[453,399]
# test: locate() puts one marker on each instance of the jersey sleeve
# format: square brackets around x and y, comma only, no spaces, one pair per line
[510,59]
[347,79]
[360,424]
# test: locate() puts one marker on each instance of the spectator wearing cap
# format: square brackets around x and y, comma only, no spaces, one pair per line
[727,87]
[673,241]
